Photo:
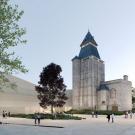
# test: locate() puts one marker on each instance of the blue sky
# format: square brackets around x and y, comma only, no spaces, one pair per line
[55,29]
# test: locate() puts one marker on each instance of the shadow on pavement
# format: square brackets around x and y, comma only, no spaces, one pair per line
[34,125]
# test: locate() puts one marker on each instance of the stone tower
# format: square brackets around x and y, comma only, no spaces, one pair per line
[88,73]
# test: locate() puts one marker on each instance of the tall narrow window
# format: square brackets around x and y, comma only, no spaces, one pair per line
[113,93]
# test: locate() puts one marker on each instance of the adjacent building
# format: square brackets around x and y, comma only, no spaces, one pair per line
[18,96]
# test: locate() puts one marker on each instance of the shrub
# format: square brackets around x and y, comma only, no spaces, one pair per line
[48,116]
[88,111]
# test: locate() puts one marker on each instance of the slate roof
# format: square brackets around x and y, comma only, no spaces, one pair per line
[88,39]
[103,87]
[76,57]
[88,50]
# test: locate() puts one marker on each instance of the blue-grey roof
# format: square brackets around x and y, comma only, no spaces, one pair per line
[88,38]
[76,57]
[88,50]
[103,87]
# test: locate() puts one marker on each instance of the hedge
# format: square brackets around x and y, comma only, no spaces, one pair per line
[48,116]
[99,112]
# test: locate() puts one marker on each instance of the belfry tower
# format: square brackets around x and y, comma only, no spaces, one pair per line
[88,73]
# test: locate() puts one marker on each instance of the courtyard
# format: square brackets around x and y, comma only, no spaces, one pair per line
[88,126]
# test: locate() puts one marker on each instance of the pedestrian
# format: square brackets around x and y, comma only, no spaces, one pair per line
[126,114]
[96,114]
[3,114]
[108,117]
[8,114]
[35,118]
[131,114]
[38,118]
[92,113]
[112,117]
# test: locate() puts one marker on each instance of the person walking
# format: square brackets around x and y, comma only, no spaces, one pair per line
[131,114]
[92,113]
[112,117]
[38,118]
[35,118]
[9,114]
[108,117]
[126,116]
[96,114]
[3,114]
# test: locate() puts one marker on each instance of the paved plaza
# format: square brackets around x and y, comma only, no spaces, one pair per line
[88,126]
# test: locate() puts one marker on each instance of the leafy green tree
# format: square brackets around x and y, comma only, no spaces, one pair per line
[11,35]
[51,89]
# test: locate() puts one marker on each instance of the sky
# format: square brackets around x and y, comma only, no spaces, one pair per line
[56,28]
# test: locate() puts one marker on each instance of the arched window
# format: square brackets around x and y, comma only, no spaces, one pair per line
[113,93]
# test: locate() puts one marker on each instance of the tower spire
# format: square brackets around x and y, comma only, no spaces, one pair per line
[88,39]
[88,47]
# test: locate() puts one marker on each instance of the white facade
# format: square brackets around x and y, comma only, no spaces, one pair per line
[21,98]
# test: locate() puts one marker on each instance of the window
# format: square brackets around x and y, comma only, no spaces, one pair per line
[113,93]
[103,102]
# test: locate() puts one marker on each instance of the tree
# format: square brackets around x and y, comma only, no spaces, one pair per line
[51,89]
[11,35]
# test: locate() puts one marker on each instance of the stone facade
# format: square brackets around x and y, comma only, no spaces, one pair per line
[87,75]
[90,90]
[117,97]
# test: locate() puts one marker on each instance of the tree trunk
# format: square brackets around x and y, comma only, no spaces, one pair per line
[52,109]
